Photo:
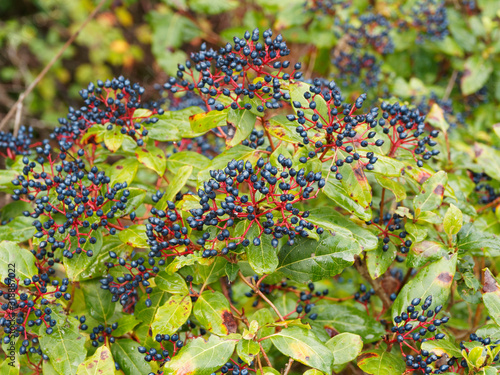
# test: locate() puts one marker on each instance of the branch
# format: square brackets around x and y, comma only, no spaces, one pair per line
[377,287]
[18,104]
[261,295]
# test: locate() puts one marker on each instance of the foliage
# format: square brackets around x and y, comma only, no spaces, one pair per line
[249,216]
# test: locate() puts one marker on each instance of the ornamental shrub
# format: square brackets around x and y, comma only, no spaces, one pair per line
[251,218]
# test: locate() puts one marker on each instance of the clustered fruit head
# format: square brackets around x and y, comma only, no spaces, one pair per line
[263,195]
[412,326]
[331,125]
[110,103]
[11,145]
[86,202]
[404,127]
[239,74]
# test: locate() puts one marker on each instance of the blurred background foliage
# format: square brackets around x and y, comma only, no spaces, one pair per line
[406,49]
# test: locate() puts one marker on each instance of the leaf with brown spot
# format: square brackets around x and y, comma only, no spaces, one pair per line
[381,362]
[203,122]
[303,346]
[201,357]
[101,363]
[213,312]
[152,158]
[491,295]
[433,280]
[172,315]
[431,193]
[280,127]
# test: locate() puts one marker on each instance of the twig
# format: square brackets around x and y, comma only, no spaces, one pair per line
[17,122]
[33,84]
[261,295]
[288,366]
[451,83]
[377,287]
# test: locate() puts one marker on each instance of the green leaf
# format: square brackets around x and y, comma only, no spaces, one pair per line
[135,236]
[153,158]
[129,359]
[394,186]
[113,139]
[125,325]
[65,346]
[262,258]
[174,125]
[315,260]
[469,238]
[81,265]
[379,261]
[345,347]
[356,183]
[488,158]
[280,127]
[200,357]
[303,346]
[147,314]
[345,318]
[435,117]
[20,229]
[123,170]
[7,369]
[476,73]
[431,194]
[238,152]
[98,300]
[187,158]
[242,122]
[334,221]
[175,185]
[433,280]
[172,283]
[172,315]
[491,295]
[453,220]
[213,312]
[247,350]
[17,260]
[441,347]
[424,252]
[338,193]
[100,363]
[203,122]
[212,6]
[381,362]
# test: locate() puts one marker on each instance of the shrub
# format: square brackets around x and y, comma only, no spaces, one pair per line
[251,221]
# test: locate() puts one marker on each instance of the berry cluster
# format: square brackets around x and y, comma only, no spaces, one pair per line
[237,74]
[255,140]
[353,68]
[404,128]
[85,201]
[335,129]
[414,325]
[27,307]
[100,334]
[124,289]
[270,193]
[111,103]
[167,235]
[11,145]
[387,227]
[373,30]
[488,193]
[429,18]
